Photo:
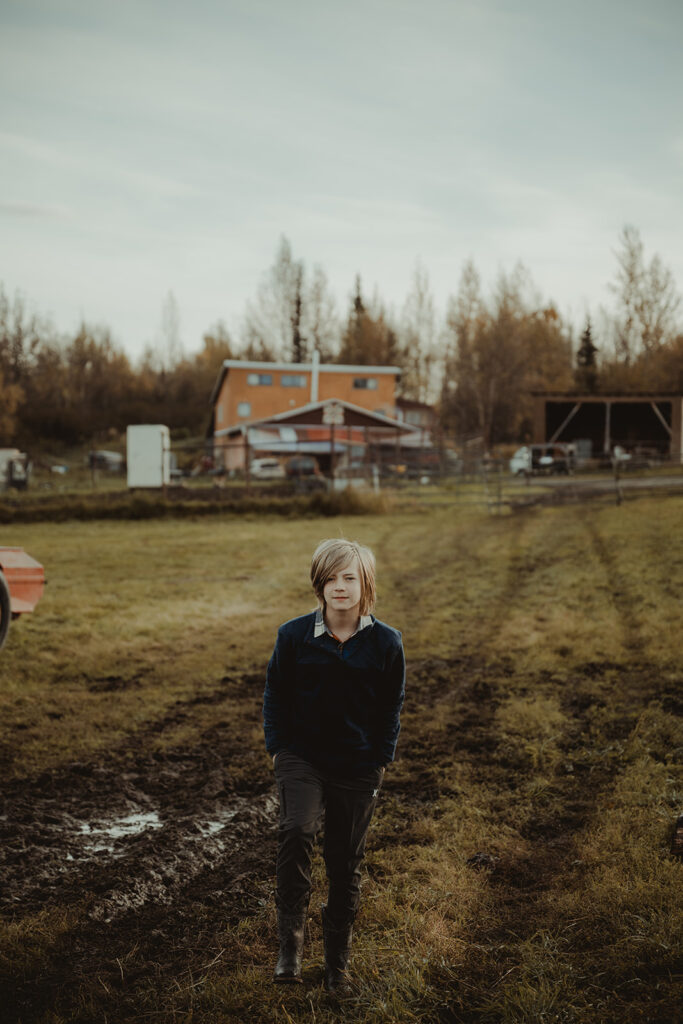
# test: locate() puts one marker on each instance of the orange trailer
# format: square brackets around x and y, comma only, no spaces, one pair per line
[22,580]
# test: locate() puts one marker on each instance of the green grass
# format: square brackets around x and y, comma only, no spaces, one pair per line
[545,666]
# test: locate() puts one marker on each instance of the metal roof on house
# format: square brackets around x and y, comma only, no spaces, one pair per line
[245,364]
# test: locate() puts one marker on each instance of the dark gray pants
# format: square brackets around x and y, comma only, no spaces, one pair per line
[309,796]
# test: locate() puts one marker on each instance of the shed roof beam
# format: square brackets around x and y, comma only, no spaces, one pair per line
[661,419]
[566,422]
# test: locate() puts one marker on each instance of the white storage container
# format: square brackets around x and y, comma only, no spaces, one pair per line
[148,455]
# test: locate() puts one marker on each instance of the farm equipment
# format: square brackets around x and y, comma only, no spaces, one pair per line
[22,580]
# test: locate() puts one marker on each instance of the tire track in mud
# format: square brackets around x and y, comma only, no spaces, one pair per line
[466,692]
[169,889]
[619,592]
[494,759]
[467,688]
[172,921]
[144,848]
[517,570]
[240,687]
[522,874]
[129,948]
[105,808]
[518,573]
[458,692]
[123,850]
[204,857]
[524,884]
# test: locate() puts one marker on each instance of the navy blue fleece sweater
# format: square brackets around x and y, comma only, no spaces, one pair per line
[335,705]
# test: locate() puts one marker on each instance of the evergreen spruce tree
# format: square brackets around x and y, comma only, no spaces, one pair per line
[586,373]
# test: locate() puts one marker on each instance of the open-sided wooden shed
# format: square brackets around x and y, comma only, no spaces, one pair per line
[644,421]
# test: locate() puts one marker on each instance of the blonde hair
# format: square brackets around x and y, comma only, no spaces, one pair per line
[332,555]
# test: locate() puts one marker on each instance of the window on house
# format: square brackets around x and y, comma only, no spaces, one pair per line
[415,417]
[292,380]
[219,413]
[244,409]
[259,378]
[367,383]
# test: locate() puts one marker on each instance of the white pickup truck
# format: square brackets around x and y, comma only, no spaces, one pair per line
[543,460]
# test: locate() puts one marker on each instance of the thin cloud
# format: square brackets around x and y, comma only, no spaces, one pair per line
[24,208]
[39,152]
[32,148]
[181,151]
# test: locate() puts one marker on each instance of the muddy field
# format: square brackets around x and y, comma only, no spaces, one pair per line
[157,855]
[134,844]
[519,865]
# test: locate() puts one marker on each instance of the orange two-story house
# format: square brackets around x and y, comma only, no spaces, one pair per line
[247,391]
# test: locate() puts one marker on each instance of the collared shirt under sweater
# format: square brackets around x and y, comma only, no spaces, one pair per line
[337,705]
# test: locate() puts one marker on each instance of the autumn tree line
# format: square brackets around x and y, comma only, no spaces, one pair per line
[478,365]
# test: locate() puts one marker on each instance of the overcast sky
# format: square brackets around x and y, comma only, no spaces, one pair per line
[158,145]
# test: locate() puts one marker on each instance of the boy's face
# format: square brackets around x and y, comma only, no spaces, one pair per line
[342,591]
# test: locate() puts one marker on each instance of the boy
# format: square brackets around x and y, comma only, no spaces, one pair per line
[334,691]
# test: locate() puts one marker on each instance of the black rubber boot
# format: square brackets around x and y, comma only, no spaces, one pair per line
[337,943]
[290,930]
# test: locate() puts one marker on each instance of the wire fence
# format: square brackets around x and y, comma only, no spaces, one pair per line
[427,474]
[443,474]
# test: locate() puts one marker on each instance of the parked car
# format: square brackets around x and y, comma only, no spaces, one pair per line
[302,465]
[423,466]
[543,460]
[113,462]
[266,469]
[304,472]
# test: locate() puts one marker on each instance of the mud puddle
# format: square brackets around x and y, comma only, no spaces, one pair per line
[124,837]
[101,836]
[155,853]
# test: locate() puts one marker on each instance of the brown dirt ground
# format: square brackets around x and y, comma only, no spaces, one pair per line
[155,853]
